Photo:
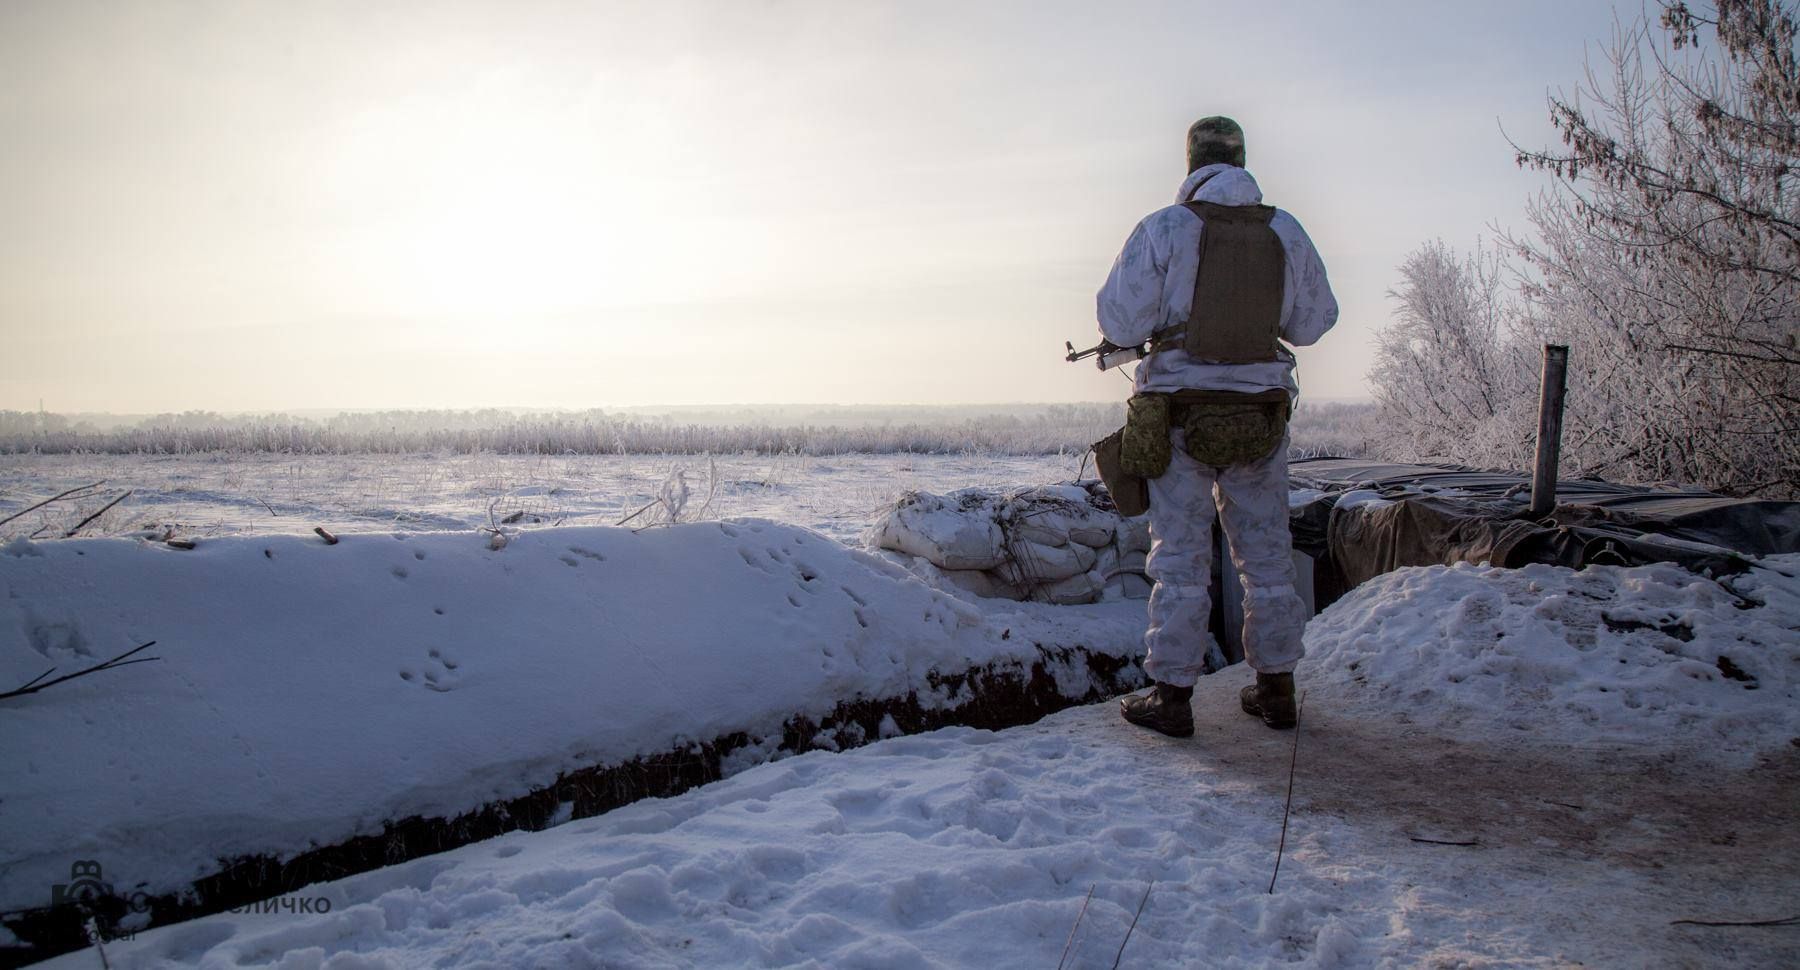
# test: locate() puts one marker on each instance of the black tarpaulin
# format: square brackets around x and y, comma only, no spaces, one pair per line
[1422,515]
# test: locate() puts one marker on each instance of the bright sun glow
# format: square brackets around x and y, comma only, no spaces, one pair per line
[546,205]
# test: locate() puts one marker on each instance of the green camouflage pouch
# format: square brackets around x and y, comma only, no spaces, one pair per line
[1221,434]
[1144,452]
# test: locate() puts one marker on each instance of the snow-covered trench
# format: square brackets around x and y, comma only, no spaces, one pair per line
[319,710]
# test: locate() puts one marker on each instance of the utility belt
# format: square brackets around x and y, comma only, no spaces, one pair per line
[1220,428]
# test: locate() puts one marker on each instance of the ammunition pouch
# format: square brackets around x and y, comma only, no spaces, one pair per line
[1220,428]
[1145,450]
[1225,428]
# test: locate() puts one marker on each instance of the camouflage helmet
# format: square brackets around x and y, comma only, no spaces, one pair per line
[1213,140]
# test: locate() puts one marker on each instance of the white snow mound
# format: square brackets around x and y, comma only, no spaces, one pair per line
[1653,655]
[306,692]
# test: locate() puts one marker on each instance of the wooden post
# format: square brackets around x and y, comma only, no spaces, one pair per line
[1549,436]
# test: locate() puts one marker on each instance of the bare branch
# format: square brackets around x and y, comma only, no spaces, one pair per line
[32,686]
[103,509]
[53,498]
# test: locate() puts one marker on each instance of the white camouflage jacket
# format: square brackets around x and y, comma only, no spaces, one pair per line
[1152,283]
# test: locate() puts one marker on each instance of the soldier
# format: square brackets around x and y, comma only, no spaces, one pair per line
[1215,282]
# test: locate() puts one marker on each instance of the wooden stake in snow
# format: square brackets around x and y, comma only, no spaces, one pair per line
[1549,437]
[330,539]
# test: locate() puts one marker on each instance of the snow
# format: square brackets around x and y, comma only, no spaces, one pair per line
[1619,746]
[1651,656]
[259,494]
[1357,498]
[307,692]
[971,848]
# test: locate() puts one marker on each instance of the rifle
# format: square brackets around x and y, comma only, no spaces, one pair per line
[1112,355]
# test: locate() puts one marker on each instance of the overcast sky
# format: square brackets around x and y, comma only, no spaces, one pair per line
[261,206]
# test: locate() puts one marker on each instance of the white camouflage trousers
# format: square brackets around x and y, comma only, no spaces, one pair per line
[1250,501]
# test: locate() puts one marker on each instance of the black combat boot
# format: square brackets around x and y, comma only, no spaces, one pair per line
[1166,708]
[1272,699]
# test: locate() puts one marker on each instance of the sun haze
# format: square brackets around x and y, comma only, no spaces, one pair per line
[259,206]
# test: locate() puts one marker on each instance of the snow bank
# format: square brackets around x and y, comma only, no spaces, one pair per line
[960,848]
[1049,543]
[970,848]
[306,693]
[1653,655]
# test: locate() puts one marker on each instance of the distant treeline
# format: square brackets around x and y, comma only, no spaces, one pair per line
[1343,429]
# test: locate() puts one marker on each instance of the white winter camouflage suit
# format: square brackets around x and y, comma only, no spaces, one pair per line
[1150,287]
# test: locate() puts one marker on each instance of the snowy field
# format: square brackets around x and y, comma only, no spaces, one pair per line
[249,493]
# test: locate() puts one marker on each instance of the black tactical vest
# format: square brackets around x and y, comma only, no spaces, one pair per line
[1236,313]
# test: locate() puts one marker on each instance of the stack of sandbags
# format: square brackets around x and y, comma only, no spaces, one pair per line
[1049,543]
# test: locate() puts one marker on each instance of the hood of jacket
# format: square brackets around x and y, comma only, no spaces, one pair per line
[1220,184]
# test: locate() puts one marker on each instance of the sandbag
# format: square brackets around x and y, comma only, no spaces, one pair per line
[1048,532]
[940,530]
[1094,536]
[1134,534]
[1082,588]
[980,582]
[1107,560]
[1050,543]
[1057,514]
[1033,563]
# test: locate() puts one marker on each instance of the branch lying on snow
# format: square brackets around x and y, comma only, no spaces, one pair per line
[32,686]
[1785,921]
[53,498]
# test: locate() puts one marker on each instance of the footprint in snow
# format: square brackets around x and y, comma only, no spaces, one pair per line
[438,672]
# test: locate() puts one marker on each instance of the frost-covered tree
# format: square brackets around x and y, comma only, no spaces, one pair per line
[1666,254]
[1449,373]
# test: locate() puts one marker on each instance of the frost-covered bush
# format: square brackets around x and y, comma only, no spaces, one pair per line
[1045,429]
